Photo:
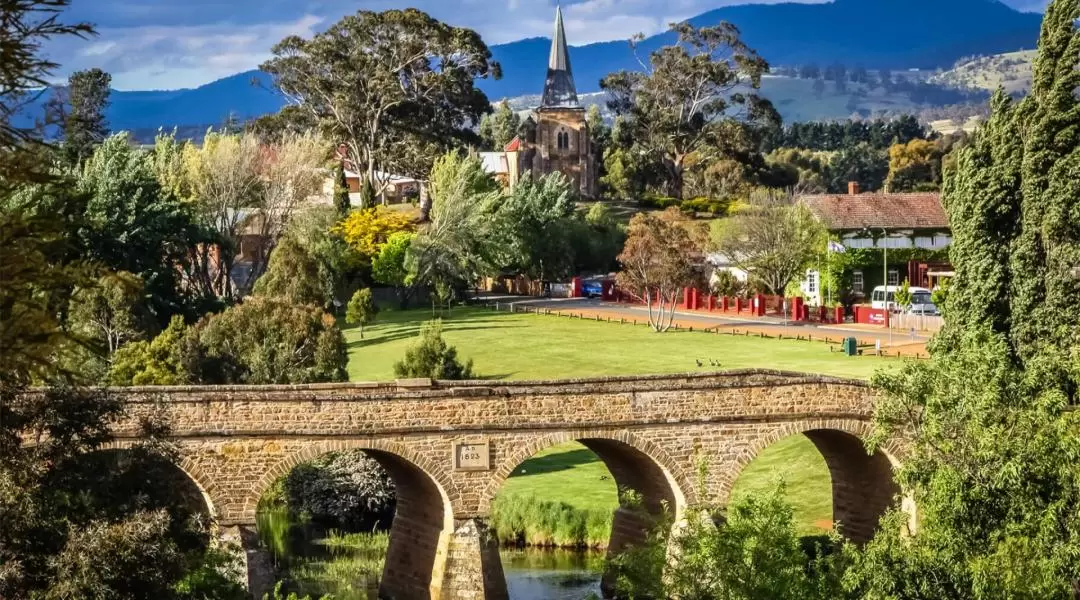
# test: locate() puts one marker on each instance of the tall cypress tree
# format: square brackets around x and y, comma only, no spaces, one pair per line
[341,192]
[981,195]
[1045,293]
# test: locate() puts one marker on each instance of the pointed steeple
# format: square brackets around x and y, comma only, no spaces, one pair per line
[559,89]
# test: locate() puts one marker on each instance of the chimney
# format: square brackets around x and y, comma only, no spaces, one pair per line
[853,188]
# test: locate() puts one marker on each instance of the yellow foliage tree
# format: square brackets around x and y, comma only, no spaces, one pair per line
[367,230]
[915,166]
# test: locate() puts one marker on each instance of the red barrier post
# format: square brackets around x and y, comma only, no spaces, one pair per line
[759,305]
[724,304]
[578,288]
[738,305]
[838,314]
[712,303]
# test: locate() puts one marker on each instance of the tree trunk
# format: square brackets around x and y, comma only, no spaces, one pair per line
[674,186]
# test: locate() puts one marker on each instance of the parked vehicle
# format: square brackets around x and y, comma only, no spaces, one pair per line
[921,303]
[592,289]
[884,296]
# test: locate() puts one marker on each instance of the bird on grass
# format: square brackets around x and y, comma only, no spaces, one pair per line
[699,363]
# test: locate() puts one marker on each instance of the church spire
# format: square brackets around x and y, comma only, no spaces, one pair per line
[559,89]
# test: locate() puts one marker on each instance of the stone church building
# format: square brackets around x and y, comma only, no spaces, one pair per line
[555,138]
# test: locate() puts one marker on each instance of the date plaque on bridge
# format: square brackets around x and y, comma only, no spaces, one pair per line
[472,457]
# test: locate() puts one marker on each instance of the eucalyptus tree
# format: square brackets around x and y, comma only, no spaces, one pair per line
[688,95]
[396,87]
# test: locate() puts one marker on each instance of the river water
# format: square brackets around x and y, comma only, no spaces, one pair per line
[543,574]
[316,562]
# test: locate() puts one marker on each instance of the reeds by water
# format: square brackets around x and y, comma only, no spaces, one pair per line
[523,520]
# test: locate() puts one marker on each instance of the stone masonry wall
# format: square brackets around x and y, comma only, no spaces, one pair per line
[656,434]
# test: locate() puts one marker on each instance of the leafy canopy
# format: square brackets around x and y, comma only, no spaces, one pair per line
[396,87]
[367,230]
[658,262]
[690,97]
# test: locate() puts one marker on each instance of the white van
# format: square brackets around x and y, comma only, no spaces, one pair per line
[884,296]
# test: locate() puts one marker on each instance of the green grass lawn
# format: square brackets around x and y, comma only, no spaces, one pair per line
[807,486]
[528,346]
[571,474]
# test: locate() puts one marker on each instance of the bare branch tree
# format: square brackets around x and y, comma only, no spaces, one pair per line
[659,260]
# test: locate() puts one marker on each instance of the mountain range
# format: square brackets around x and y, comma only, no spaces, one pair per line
[893,34]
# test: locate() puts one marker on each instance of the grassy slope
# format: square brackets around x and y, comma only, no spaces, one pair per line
[525,346]
[571,474]
[1011,70]
[521,346]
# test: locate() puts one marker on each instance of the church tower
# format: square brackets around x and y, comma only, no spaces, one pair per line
[557,134]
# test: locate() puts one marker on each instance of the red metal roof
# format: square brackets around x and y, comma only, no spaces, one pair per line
[514,145]
[892,211]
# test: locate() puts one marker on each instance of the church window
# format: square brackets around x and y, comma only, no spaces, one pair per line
[563,141]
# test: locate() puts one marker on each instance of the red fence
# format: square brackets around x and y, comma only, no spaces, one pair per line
[760,305]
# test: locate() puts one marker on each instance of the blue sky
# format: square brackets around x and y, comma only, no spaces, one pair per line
[168,44]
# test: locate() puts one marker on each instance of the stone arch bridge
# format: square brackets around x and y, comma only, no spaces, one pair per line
[678,441]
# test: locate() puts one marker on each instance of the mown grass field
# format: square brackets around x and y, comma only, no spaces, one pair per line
[528,346]
[556,496]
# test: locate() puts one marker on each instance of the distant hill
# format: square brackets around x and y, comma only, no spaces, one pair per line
[1011,71]
[894,34]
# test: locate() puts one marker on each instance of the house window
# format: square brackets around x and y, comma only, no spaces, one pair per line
[811,282]
[857,282]
[563,141]
[894,277]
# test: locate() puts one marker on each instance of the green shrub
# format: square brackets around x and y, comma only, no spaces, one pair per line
[704,205]
[432,357]
[343,489]
[659,202]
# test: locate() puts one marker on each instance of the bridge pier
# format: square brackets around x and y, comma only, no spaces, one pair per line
[472,569]
[256,570]
[629,527]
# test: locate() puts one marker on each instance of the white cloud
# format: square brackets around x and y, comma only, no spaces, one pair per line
[163,57]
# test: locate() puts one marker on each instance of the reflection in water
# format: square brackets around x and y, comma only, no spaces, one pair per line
[348,566]
[313,561]
[546,574]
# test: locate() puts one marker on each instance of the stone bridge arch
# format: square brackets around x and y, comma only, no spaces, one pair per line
[635,464]
[206,485]
[423,518]
[863,484]
[634,450]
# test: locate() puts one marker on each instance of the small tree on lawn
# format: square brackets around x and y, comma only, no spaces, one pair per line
[361,310]
[442,297]
[432,357]
[903,296]
[658,261]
